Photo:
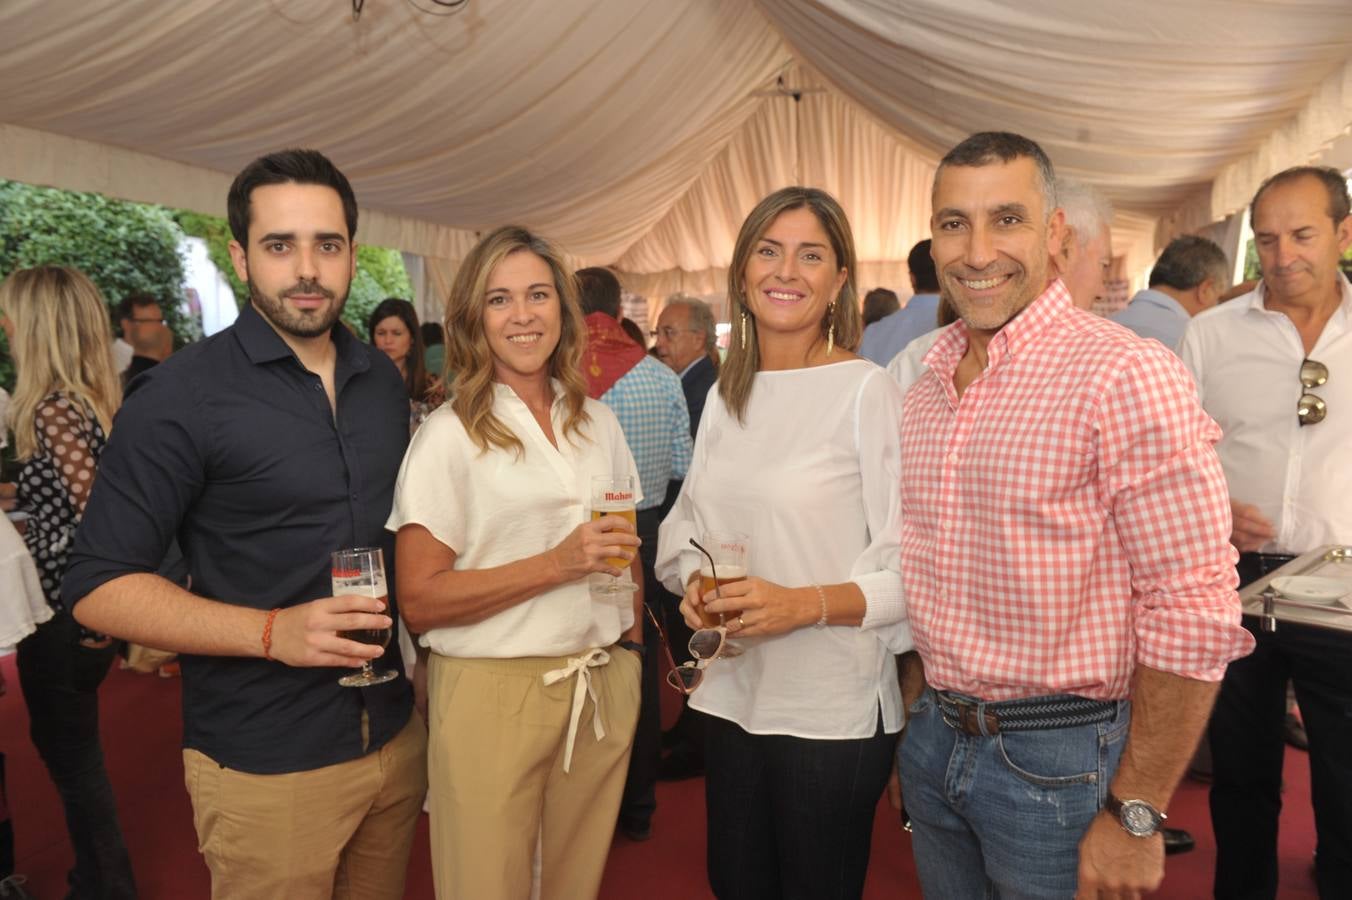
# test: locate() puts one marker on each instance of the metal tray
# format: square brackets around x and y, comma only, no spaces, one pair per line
[1262,599]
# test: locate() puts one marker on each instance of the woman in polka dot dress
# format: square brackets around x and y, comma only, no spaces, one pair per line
[64,399]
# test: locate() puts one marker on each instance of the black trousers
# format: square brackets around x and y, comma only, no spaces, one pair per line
[6,828]
[60,681]
[1248,748]
[639,800]
[791,817]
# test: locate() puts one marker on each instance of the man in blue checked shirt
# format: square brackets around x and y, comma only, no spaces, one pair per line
[646,397]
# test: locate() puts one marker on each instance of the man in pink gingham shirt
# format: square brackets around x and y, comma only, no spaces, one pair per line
[1066,556]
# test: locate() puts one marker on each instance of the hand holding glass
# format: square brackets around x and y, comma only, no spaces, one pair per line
[725,562]
[361,571]
[614,496]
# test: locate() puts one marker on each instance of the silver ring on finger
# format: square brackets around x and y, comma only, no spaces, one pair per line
[741,623]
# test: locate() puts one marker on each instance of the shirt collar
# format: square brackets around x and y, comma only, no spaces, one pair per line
[262,343]
[504,392]
[1254,300]
[1160,299]
[694,362]
[1018,333]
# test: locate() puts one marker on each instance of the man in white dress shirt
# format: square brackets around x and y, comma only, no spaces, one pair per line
[1274,368]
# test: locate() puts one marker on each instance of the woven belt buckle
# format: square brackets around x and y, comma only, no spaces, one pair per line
[968,719]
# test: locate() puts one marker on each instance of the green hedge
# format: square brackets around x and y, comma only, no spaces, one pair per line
[380,271]
[123,247]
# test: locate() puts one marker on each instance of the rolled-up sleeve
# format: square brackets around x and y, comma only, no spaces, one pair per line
[148,476]
[1170,507]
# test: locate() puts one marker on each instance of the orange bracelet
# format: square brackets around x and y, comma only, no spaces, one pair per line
[267,633]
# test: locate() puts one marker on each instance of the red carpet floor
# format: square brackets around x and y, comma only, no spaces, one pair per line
[141,740]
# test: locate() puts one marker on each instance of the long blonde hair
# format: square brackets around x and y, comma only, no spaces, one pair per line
[467,351]
[738,372]
[61,344]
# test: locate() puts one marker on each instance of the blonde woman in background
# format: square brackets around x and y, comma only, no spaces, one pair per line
[65,396]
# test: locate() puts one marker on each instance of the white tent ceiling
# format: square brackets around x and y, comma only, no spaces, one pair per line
[639,132]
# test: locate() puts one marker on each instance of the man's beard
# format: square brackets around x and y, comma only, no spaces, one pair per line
[299,323]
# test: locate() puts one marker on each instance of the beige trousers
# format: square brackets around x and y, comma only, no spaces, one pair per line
[498,742]
[342,832]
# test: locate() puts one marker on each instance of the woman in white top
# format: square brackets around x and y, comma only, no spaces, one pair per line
[532,704]
[799,449]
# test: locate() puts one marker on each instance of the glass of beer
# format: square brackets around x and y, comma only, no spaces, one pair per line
[729,552]
[361,571]
[614,496]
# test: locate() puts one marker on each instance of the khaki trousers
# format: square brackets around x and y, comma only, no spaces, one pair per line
[496,753]
[342,832]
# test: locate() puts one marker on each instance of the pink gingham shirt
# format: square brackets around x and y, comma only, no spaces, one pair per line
[1068,519]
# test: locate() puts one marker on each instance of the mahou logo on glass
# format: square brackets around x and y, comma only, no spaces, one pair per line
[618,496]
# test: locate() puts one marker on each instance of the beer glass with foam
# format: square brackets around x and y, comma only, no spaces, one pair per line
[614,496]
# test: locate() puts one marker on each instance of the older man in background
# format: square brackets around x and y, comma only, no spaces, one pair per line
[1273,368]
[686,341]
[1189,277]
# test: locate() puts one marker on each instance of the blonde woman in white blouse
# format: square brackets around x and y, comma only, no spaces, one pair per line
[798,447]
[533,683]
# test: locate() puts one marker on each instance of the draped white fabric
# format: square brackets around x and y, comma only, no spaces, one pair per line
[1147,100]
[585,118]
[639,132]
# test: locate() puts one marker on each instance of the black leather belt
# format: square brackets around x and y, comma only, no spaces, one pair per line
[967,714]
[1253,566]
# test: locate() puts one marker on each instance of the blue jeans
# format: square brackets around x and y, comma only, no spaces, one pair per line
[1002,816]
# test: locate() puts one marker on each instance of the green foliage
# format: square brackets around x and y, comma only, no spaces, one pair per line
[215,232]
[123,247]
[380,271]
[380,274]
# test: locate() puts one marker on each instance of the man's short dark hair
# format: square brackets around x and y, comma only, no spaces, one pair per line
[1188,261]
[986,147]
[286,167]
[921,265]
[1332,180]
[878,303]
[132,302]
[600,291]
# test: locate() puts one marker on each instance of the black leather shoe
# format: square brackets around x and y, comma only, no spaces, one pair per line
[1294,732]
[680,764]
[636,831]
[1176,841]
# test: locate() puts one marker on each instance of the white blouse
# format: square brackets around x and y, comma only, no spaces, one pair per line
[813,478]
[495,507]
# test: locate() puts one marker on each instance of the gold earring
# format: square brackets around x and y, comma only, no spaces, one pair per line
[831,332]
[743,329]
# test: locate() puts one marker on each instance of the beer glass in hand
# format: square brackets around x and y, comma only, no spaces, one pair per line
[614,496]
[361,571]
[726,562]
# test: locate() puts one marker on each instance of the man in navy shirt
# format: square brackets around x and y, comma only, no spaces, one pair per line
[264,449]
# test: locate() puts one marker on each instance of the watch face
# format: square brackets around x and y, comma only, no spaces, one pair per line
[1138,818]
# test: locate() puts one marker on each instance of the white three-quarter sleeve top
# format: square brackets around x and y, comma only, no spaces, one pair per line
[813,477]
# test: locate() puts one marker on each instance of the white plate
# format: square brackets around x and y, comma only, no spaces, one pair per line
[1312,588]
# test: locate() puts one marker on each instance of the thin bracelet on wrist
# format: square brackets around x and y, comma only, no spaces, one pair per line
[821,623]
[267,633]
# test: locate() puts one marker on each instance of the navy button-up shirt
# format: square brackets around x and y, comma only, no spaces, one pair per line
[231,446]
